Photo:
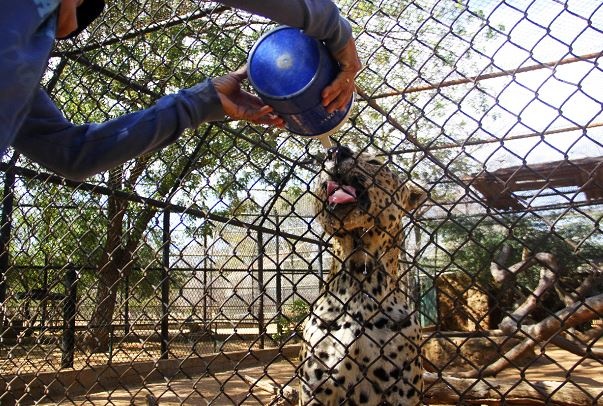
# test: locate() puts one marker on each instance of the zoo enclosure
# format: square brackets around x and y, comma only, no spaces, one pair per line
[493,107]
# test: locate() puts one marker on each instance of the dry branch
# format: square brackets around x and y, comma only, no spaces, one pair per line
[586,288]
[577,347]
[548,276]
[593,335]
[569,317]
[283,395]
[450,390]
[442,389]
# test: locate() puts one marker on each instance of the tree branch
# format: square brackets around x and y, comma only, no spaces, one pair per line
[577,348]
[571,316]
[586,288]
[449,390]
[548,276]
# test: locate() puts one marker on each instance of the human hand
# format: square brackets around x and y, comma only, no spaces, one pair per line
[242,105]
[67,21]
[337,95]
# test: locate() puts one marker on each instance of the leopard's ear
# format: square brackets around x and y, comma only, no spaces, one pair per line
[414,196]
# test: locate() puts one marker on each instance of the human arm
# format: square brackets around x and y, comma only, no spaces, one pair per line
[319,19]
[26,38]
[78,151]
[322,20]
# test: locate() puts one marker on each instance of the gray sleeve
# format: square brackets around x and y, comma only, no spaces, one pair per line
[317,18]
[79,151]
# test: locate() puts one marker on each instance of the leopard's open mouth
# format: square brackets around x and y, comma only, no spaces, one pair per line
[342,197]
[343,190]
[340,194]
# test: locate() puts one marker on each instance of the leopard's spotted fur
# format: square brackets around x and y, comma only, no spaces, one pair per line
[361,340]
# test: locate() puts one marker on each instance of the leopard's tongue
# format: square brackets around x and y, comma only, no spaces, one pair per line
[340,194]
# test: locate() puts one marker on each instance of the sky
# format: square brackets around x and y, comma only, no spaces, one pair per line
[565,96]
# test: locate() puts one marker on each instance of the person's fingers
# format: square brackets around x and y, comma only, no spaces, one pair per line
[249,108]
[264,115]
[241,73]
[255,109]
[254,114]
[242,105]
[67,21]
[271,120]
[338,94]
[340,102]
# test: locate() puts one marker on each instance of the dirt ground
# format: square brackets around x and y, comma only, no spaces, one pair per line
[222,389]
[230,388]
[47,358]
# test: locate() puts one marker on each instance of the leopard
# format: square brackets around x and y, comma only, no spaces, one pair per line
[361,340]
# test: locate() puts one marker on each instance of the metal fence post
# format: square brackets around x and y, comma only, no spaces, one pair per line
[44,302]
[279,293]
[321,252]
[261,321]
[69,311]
[205,291]
[165,286]
[127,305]
[5,232]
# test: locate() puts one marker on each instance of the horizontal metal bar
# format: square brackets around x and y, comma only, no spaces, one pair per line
[134,198]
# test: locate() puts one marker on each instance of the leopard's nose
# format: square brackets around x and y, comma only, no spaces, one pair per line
[339,153]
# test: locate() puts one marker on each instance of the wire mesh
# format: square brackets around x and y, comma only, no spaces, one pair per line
[186,276]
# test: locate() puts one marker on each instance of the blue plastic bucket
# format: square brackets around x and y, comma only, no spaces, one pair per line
[289,71]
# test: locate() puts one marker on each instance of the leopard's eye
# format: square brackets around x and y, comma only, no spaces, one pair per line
[374,161]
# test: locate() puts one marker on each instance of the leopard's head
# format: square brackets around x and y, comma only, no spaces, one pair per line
[360,192]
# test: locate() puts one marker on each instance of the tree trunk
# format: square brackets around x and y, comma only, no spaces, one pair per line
[120,247]
[111,263]
[117,258]
[100,327]
[111,266]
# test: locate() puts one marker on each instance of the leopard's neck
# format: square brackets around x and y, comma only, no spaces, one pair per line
[364,262]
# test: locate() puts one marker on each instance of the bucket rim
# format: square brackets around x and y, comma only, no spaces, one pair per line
[333,130]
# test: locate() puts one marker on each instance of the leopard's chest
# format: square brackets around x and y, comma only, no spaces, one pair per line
[361,343]
[357,325]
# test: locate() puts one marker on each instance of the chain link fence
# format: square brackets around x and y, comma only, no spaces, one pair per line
[184,277]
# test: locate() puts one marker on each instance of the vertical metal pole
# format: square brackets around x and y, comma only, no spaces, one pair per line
[279,288]
[45,300]
[321,265]
[205,270]
[127,292]
[69,306]
[5,232]
[434,286]
[165,286]
[127,305]
[261,322]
